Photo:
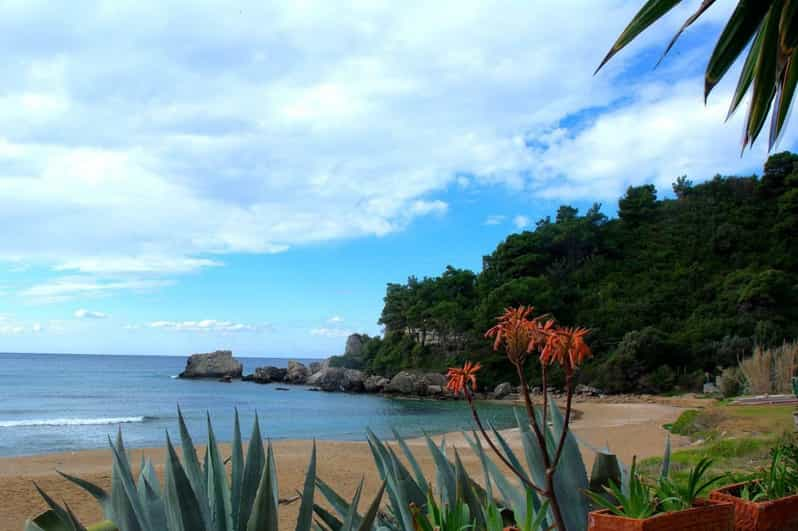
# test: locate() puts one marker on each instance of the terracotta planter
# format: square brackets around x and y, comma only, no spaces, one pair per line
[704,516]
[776,515]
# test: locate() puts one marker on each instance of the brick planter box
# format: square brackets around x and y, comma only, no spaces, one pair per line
[703,516]
[772,515]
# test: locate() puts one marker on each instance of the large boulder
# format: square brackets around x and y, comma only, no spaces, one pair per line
[375,384]
[218,364]
[296,373]
[502,390]
[413,383]
[338,379]
[267,374]
[315,367]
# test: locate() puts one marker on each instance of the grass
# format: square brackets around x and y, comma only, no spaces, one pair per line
[737,438]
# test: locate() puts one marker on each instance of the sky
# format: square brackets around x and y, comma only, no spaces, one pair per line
[180,177]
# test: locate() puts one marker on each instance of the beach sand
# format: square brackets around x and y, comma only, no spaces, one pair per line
[628,429]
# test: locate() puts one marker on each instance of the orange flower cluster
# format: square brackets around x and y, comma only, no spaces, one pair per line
[517,331]
[566,346]
[459,378]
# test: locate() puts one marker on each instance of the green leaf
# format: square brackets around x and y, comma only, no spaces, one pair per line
[236,472]
[570,478]
[784,98]
[135,517]
[328,518]
[197,476]
[736,35]
[180,500]
[706,4]
[447,486]
[264,509]
[56,518]
[666,458]
[253,468]
[153,504]
[420,479]
[98,493]
[465,492]
[351,515]
[765,73]
[218,489]
[651,11]
[367,523]
[305,518]
[605,468]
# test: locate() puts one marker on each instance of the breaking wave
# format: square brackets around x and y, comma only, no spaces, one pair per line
[26,423]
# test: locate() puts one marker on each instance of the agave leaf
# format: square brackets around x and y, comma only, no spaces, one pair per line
[651,11]
[532,451]
[197,476]
[788,27]
[466,493]
[666,458]
[705,4]
[236,471]
[264,508]
[746,74]
[98,493]
[327,518]
[351,515]
[736,35]
[57,516]
[130,510]
[381,458]
[476,446]
[180,500]
[218,489]
[305,518]
[420,479]
[570,479]
[606,468]
[447,486]
[105,525]
[367,523]
[253,468]
[339,505]
[153,504]
[765,74]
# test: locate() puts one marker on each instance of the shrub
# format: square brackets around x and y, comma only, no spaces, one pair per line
[659,381]
[731,382]
[770,370]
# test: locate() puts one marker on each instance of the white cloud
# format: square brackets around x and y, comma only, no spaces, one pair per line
[495,219]
[71,287]
[86,314]
[36,328]
[207,325]
[335,319]
[158,150]
[521,222]
[330,332]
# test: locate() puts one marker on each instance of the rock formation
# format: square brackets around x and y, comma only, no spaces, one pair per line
[415,383]
[502,390]
[296,373]
[338,379]
[218,364]
[266,375]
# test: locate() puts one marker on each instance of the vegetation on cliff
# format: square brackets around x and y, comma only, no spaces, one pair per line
[672,288]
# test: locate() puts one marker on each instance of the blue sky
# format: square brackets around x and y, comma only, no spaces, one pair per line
[206,175]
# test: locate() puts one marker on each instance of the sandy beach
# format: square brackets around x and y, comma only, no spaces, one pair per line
[628,429]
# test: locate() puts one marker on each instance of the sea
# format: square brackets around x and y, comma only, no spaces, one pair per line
[70,402]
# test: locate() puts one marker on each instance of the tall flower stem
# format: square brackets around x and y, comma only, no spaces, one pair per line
[520,475]
[563,435]
[550,493]
[544,382]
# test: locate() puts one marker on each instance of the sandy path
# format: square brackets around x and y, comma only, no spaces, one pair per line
[628,429]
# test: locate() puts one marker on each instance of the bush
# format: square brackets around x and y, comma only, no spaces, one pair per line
[659,381]
[692,381]
[620,373]
[731,382]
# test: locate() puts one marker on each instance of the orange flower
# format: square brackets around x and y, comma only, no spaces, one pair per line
[566,347]
[516,330]
[459,378]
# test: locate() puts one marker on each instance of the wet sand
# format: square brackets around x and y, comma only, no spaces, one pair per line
[628,429]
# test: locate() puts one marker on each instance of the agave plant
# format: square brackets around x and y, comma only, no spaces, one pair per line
[770,67]
[199,497]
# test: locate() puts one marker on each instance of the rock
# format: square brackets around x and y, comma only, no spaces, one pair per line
[435,390]
[296,373]
[410,383]
[266,375]
[375,384]
[281,389]
[226,379]
[502,390]
[218,364]
[338,379]
[354,345]
[314,367]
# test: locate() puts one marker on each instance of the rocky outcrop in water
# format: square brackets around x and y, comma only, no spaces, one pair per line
[218,364]
[264,375]
[338,379]
[296,373]
[417,383]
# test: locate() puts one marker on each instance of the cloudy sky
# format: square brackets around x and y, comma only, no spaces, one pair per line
[198,175]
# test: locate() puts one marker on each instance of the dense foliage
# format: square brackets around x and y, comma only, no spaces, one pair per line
[671,287]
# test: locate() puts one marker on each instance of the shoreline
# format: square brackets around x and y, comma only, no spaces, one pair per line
[629,429]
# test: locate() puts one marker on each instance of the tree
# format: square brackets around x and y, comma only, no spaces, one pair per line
[770,70]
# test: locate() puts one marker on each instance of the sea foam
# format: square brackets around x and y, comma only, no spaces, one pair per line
[25,423]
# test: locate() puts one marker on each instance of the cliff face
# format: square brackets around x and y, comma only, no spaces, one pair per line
[218,364]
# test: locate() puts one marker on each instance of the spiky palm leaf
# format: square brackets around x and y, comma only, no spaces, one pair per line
[770,70]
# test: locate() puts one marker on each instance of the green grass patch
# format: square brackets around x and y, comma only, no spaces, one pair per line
[685,424]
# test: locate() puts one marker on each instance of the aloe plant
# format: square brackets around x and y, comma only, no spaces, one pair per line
[199,497]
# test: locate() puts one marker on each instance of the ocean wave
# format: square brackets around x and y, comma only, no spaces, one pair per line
[28,423]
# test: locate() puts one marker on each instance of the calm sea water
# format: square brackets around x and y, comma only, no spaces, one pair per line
[66,402]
